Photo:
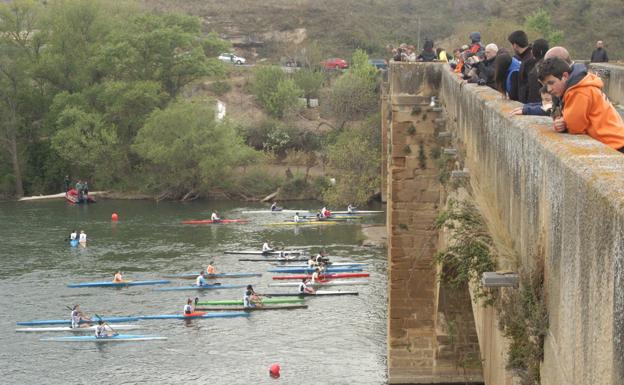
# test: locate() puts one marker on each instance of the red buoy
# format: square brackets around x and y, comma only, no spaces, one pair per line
[114,217]
[274,370]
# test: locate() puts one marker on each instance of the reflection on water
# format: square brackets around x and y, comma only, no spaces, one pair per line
[337,340]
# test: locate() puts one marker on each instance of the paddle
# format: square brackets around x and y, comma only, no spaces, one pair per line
[107,324]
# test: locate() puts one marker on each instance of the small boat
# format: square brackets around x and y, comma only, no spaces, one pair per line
[335,264]
[119,284]
[205,287]
[272,259]
[233,302]
[358,212]
[113,338]
[210,221]
[68,321]
[303,223]
[89,329]
[260,252]
[320,284]
[324,276]
[194,315]
[213,276]
[241,308]
[338,217]
[72,196]
[292,270]
[318,293]
[269,211]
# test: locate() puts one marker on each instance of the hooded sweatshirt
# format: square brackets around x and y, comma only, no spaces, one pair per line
[588,111]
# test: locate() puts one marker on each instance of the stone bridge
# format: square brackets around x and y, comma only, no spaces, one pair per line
[550,199]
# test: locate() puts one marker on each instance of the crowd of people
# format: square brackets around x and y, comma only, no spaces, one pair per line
[545,80]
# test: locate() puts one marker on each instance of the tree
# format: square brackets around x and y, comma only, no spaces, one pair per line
[187,150]
[355,165]
[277,94]
[540,22]
[310,82]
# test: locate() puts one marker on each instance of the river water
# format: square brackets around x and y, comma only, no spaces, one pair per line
[337,340]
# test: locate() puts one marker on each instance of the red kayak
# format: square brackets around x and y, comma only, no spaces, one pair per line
[194,314]
[72,196]
[210,221]
[325,276]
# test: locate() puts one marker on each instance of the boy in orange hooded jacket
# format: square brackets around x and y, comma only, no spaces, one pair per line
[586,109]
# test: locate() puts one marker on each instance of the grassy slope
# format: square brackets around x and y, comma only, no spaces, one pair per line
[342,25]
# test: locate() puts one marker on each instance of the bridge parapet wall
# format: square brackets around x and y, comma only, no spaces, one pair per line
[560,198]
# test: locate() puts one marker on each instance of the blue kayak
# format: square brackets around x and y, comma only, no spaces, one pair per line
[205,287]
[210,276]
[118,284]
[312,270]
[68,322]
[118,338]
[196,315]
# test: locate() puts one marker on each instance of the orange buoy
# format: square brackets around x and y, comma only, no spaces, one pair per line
[114,217]
[274,370]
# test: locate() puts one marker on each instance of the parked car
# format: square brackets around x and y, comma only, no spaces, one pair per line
[231,58]
[334,63]
[380,64]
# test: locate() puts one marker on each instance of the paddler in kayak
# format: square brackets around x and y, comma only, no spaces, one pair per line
[211,270]
[350,208]
[251,298]
[321,257]
[266,248]
[82,238]
[100,330]
[296,218]
[215,217]
[188,308]
[77,316]
[201,279]
[311,261]
[316,276]
[275,207]
[304,288]
[118,277]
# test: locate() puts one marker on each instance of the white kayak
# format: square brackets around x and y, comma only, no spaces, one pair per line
[268,211]
[321,284]
[357,212]
[89,329]
[334,264]
[115,338]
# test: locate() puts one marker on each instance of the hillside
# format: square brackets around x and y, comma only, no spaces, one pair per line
[342,26]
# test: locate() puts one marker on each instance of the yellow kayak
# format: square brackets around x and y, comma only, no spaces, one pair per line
[303,223]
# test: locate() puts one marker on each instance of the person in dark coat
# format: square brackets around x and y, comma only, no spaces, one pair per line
[428,53]
[524,53]
[600,54]
[540,47]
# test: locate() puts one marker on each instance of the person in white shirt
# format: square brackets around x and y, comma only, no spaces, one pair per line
[311,262]
[350,208]
[316,276]
[304,288]
[77,316]
[200,280]
[214,216]
[324,212]
[73,235]
[188,308]
[266,247]
[100,330]
[296,217]
[82,238]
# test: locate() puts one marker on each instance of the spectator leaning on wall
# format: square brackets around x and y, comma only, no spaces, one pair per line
[585,107]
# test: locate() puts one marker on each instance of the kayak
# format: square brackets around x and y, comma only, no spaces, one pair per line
[339,217]
[68,322]
[272,259]
[118,284]
[205,287]
[312,270]
[358,212]
[72,197]
[210,221]
[269,211]
[318,293]
[303,223]
[320,284]
[324,276]
[213,276]
[89,329]
[240,301]
[117,338]
[335,264]
[197,314]
[241,308]
[260,252]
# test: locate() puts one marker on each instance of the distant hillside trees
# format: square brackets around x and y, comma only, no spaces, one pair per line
[275,91]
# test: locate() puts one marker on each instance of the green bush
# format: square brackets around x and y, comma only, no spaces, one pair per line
[220,87]
[256,182]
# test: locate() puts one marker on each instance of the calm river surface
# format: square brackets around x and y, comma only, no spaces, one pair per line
[337,340]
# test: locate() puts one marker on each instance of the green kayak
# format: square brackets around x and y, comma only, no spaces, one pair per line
[240,301]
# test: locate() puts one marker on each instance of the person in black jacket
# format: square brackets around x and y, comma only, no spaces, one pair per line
[485,68]
[600,54]
[540,47]
[524,53]
[428,53]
